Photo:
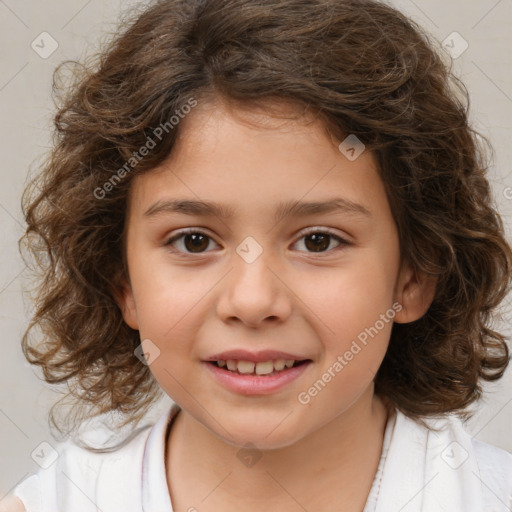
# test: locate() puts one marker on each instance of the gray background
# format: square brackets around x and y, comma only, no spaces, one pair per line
[26,113]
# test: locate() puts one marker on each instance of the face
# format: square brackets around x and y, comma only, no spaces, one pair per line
[319,284]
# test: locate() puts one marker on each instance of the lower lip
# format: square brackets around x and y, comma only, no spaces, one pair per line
[256,384]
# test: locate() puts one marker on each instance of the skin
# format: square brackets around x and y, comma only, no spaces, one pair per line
[11,504]
[319,456]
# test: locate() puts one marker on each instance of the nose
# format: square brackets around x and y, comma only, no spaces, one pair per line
[254,294]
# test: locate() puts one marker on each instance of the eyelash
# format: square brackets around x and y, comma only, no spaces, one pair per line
[312,231]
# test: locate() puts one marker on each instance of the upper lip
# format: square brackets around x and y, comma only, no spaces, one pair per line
[256,357]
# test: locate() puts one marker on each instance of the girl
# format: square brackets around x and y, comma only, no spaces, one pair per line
[276,213]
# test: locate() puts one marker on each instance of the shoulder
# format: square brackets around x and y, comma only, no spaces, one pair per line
[84,480]
[495,466]
[450,429]
[493,473]
[477,469]
[83,477]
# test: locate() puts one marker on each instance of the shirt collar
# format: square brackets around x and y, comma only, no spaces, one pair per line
[155,492]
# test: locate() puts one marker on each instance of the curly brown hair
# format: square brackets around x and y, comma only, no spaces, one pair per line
[360,66]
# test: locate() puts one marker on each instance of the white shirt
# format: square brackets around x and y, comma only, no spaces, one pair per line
[419,471]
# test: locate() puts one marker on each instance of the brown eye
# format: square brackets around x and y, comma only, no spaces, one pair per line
[195,242]
[190,241]
[319,241]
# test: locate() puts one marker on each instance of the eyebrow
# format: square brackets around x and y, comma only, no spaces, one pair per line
[283,210]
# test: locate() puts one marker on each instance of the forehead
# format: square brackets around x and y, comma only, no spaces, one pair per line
[249,156]
[218,121]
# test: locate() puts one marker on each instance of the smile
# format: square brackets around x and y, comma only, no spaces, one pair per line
[256,378]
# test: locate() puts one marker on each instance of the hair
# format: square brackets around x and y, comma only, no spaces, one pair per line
[361,67]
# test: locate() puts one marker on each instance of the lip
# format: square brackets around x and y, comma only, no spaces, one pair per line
[256,384]
[255,357]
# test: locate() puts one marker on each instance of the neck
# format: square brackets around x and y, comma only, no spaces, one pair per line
[335,464]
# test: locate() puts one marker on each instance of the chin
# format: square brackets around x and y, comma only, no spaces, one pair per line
[270,435]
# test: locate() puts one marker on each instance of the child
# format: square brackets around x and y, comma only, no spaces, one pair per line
[277,213]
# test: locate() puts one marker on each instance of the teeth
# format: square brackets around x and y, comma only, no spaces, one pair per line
[245,367]
[279,364]
[261,368]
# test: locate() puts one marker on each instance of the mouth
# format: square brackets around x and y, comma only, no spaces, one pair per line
[253,378]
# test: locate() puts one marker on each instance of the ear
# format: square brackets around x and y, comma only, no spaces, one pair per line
[123,295]
[415,292]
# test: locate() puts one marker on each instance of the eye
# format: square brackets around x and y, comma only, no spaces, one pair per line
[318,240]
[193,240]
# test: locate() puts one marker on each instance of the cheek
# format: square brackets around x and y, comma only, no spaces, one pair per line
[167,296]
[354,330]
[351,307]
[350,298]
